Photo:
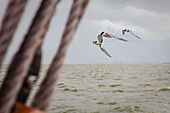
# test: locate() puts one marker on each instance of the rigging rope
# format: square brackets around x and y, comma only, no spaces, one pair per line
[31,77]
[22,60]
[43,96]
[9,24]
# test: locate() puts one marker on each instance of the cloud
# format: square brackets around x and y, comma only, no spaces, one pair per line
[152,33]
[139,11]
[145,13]
[116,27]
[144,17]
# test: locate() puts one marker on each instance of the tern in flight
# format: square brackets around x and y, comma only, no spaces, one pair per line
[130,31]
[100,41]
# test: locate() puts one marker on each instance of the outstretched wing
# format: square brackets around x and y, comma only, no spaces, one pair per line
[121,39]
[102,48]
[114,36]
[134,34]
[123,31]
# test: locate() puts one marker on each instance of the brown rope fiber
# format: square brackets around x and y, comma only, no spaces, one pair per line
[43,96]
[22,60]
[32,73]
[10,22]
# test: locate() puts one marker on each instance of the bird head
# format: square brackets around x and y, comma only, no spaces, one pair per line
[94,42]
[123,31]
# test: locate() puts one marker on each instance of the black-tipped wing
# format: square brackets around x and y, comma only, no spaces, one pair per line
[114,36]
[101,47]
[134,34]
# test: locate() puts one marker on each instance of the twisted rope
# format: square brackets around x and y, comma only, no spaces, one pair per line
[10,22]
[43,96]
[23,58]
[33,72]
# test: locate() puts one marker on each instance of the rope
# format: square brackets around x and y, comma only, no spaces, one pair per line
[10,22]
[43,96]
[31,77]
[23,58]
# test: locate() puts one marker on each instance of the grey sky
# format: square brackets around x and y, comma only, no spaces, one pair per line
[150,19]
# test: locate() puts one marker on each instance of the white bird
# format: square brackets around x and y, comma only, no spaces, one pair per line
[130,31]
[101,44]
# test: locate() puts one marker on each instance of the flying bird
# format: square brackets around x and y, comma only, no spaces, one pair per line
[100,41]
[130,31]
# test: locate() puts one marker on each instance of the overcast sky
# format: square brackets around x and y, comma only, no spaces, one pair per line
[149,19]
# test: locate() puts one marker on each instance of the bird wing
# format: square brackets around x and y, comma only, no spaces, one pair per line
[107,35]
[102,48]
[100,38]
[134,34]
[123,32]
[114,36]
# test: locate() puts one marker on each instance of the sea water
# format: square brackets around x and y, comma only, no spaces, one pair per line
[109,88]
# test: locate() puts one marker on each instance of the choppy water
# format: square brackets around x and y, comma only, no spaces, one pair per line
[111,88]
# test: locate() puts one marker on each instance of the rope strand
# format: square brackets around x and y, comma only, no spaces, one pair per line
[32,73]
[43,96]
[23,58]
[10,22]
